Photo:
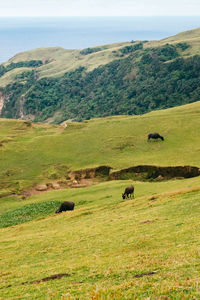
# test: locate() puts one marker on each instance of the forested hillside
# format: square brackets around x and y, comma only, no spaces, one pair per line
[129,79]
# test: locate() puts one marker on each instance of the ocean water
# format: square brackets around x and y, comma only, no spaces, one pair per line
[22,34]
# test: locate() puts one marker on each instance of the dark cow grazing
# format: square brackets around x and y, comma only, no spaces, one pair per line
[67,205]
[128,191]
[155,136]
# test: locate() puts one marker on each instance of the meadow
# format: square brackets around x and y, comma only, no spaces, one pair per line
[107,248]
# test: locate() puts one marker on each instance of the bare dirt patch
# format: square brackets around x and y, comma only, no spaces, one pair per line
[59,185]
[144,274]
[147,221]
[52,277]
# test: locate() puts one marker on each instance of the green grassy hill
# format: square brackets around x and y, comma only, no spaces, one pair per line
[55,84]
[32,153]
[107,248]
[63,60]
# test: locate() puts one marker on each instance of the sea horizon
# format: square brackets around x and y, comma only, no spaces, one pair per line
[19,34]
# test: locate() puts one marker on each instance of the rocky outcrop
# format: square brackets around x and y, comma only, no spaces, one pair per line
[42,188]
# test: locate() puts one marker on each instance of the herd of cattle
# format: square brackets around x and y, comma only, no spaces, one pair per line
[128,193]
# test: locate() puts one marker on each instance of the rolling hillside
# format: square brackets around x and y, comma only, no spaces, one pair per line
[54,84]
[33,153]
[107,248]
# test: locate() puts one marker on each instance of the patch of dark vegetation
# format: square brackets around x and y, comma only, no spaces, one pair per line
[91,50]
[183,46]
[21,64]
[160,54]
[52,277]
[131,48]
[148,172]
[27,213]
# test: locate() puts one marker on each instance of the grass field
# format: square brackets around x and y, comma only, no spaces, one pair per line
[62,60]
[40,153]
[147,248]
[107,248]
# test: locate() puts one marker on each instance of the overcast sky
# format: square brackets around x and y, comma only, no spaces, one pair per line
[99,7]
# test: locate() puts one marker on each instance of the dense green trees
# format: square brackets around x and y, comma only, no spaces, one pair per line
[131,48]
[90,50]
[21,64]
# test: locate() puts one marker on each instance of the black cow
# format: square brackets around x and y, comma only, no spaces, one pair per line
[128,191]
[67,205]
[155,136]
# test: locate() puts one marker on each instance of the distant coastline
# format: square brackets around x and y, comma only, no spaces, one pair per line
[22,34]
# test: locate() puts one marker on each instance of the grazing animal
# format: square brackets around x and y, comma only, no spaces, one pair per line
[67,205]
[155,136]
[128,191]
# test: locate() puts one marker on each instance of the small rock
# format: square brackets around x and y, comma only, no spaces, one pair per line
[55,186]
[41,188]
[160,177]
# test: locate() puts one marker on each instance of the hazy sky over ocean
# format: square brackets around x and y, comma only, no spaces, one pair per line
[99,8]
